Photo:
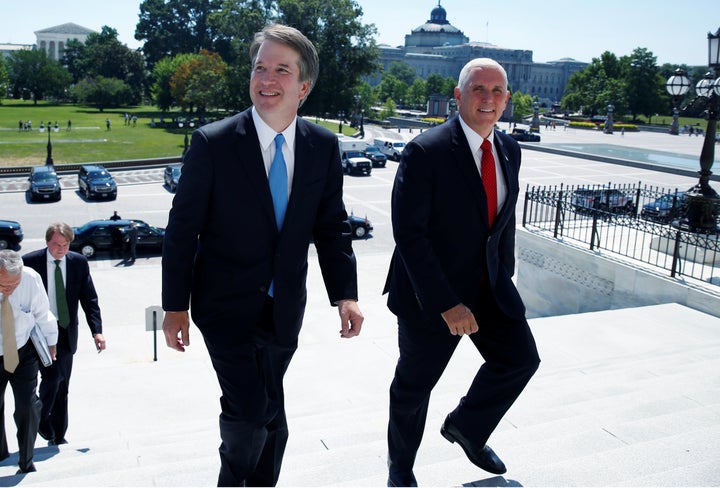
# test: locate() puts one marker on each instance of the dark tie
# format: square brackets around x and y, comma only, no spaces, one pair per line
[60,298]
[10,353]
[487,172]
[278,179]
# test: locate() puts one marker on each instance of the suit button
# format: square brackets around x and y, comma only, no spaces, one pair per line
[263,289]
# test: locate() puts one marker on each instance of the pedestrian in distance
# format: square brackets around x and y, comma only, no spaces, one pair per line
[66,277]
[453,218]
[115,216]
[23,306]
[248,296]
[131,239]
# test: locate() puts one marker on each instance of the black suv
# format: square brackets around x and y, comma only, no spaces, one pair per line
[95,182]
[11,235]
[44,184]
[379,160]
[108,235]
[171,176]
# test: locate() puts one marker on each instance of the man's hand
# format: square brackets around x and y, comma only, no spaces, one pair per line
[53,352]
[460,320]
[99,342]
[351,318]
[176,327]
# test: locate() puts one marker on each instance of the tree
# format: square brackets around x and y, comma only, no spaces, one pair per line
[403,72]
[33,75]
[171,27]
[389,109]
[74,59]
[523,105]
[391,88]
[4,79]
[435,84]
[199,81]
[102,92]
[645,87]
[417,94]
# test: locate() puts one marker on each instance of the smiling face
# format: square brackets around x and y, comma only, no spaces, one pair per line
[58,246]
[482,98]
[275,87]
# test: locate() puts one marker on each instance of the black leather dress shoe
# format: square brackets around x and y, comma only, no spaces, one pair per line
[481,456]
[402,479]
[46,434]
[30,468]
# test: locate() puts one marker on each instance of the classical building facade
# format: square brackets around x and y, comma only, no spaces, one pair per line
[53,39]
[439,47]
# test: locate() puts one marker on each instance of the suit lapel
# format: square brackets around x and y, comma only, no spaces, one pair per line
[250,159]
[508,169]
[465,160]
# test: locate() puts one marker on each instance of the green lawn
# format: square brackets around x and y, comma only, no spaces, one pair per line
[89,140]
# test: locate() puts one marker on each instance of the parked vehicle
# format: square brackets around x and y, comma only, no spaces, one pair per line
[378,159]
[11,235]
[44,184]
[172,176]
[108,235]
[664,209]
[602,199]
[361,228]
[95,182]
[390,147]
[354,162]
[524,135]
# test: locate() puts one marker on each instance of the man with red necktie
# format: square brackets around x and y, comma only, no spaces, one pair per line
[453,216]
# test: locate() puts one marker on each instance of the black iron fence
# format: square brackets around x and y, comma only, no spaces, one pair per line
[637,222]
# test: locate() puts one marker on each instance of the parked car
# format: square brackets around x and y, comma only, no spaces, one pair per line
[11,235]
[44,184]
[390,147]
[361,228]
[353,162]
[172,175]
[602,199]
[378,159]
[95,182]
[108,235]
[524,135]
[664,209]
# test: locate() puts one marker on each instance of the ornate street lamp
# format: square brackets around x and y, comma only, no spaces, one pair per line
[677,86]
[609,122]
[703,202]
[187,126]
[341,116]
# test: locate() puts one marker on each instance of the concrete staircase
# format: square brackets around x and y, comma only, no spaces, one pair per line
[623,398]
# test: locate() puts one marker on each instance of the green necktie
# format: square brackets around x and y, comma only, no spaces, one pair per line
[60,298]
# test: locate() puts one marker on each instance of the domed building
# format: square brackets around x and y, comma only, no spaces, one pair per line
[435,32]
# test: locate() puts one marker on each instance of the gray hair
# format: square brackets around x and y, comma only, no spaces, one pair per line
[479,63]
[11,262]
[309,63]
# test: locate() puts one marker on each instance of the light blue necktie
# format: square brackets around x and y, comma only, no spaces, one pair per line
[278,179]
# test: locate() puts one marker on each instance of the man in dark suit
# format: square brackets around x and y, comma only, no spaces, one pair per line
[451,272]
[245,277]
[78,289]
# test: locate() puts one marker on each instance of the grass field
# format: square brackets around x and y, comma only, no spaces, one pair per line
[89,140]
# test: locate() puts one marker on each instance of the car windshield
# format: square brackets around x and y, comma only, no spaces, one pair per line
[44,177]
[176,171]
[399,144]
[372,149]
[354,154]
[99,174]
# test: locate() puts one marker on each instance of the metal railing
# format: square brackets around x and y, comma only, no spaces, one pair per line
[625,220]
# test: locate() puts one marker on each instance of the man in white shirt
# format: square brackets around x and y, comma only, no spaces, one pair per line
[23,305]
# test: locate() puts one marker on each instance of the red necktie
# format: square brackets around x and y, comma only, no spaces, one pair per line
[487,172]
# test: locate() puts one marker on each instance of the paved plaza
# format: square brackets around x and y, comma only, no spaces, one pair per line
[622,398]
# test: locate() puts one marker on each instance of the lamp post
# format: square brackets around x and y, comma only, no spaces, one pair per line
[535,125]
[677,86]
[187,126]
[609,122]
[341,115]
[702,200]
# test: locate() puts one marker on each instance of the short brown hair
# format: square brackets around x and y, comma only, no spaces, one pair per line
[61,228]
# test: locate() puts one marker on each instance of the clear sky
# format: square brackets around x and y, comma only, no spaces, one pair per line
[581,29]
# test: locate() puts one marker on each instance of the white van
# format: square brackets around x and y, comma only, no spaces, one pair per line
[392,148]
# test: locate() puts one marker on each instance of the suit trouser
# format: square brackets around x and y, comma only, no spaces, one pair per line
[253,425]
[511,358]
[54,390]
[23,382]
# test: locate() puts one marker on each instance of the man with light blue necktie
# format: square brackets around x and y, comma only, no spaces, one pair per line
[245,280]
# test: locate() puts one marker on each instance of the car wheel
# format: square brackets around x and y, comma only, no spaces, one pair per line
[4,244]
[359,232]
[88,250]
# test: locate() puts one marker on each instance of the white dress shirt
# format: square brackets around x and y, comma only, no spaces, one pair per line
[266,135]
[30,306]
[475,141]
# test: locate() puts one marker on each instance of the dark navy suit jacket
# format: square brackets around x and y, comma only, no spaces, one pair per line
[445,249]
[222,247]
[79,288]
